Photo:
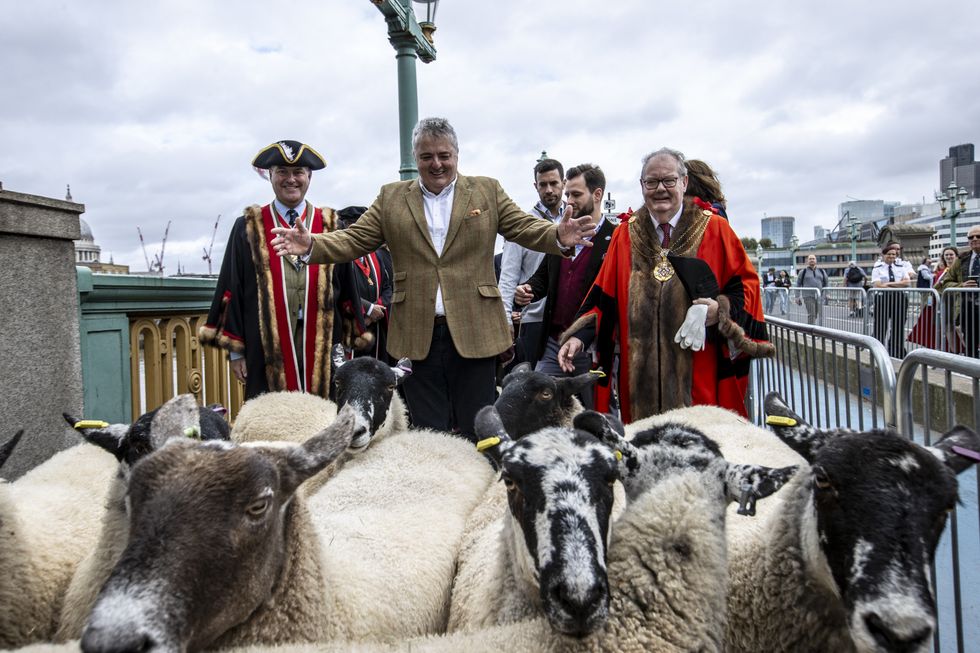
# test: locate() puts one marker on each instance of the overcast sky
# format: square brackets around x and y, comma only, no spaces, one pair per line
[153,111]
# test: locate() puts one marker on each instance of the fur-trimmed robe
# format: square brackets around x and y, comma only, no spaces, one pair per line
[707,256]
[244,317]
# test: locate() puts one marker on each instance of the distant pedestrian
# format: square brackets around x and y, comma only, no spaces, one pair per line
[816,278]
[855,278]
[965,273]
[783,284]
[923,277]
[769,288]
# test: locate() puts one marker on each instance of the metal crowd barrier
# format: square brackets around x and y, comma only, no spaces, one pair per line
[902,319]
[832,378]
[839,378]
[936,391]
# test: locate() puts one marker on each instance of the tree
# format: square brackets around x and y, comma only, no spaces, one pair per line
[749,244]
[766,243]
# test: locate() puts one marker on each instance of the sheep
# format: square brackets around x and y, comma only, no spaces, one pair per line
[177,418]
[365,382]
[311,567]
[48,522]
[842,562]
[530,401]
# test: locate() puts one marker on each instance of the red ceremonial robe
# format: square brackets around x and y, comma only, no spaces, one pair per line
[249,313]
[629,307]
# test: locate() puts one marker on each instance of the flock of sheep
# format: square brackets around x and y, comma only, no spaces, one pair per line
[314,526]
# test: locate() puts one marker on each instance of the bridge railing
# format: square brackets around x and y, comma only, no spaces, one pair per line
[139,345]
[836,378]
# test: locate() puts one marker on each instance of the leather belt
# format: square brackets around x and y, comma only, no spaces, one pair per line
[440,319]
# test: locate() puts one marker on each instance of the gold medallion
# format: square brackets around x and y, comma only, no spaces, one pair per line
[663,270]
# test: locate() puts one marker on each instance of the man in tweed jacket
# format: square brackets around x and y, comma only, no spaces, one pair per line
[446,309]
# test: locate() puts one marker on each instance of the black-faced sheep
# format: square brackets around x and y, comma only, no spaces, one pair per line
[550,553]
[366,383]
[530,401]
[842,562]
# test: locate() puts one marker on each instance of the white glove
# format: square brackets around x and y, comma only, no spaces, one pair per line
[691,334]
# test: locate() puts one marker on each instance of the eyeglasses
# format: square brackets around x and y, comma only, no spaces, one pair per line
[973,237]
[651,183]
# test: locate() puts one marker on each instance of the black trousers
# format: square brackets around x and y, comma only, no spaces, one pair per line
[445,391]
[891,310]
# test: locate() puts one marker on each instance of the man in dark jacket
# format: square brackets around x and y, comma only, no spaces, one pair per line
[564,282]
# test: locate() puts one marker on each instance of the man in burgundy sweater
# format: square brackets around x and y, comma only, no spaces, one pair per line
[564,282]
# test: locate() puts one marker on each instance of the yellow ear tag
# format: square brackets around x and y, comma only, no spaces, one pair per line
[779,420]
[598,373]
[619,454]
[193,432]
[90,424]
[487,443]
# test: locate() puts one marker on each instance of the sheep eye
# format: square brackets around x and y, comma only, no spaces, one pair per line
[258,508]
[391,388]
[820,479]
[546,395]
[509,483]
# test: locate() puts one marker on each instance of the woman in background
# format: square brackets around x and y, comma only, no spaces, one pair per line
[924,331]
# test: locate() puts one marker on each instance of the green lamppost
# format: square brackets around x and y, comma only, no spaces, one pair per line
[794,244]
[950,196]
[852,224]
[412,39]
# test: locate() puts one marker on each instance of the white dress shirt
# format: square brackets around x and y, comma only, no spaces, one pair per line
[438,209]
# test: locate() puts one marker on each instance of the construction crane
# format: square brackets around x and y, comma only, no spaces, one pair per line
[207,252]
[157,265]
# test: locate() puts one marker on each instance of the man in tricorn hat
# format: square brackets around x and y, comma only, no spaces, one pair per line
[275,315]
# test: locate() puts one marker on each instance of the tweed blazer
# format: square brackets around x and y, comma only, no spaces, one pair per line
[464,271]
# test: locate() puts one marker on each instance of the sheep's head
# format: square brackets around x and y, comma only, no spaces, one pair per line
[530,401]
[368,385]
[560,496]
[671,448]
[179,417]
[879,507]
[210,526]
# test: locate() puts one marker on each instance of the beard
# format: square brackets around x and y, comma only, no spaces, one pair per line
[586,209]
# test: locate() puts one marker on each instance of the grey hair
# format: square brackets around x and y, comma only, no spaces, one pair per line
[435,127]
[676,155]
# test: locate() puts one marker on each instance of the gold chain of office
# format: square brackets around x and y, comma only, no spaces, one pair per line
[662,269]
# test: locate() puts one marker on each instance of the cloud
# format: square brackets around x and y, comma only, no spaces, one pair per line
[153,112]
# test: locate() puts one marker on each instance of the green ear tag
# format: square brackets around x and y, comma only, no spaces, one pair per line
[488,443]
[193,432]
[779,420]
[90,424]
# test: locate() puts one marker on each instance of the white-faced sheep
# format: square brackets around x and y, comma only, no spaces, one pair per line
[48,521]
[842,563]
[179,417]
[371,555]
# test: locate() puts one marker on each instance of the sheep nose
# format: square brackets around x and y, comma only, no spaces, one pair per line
[581,608]
[915,632]
[116,640]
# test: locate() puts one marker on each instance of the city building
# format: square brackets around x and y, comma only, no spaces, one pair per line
[961,168]
[88,253]
[778,229]
[819,233]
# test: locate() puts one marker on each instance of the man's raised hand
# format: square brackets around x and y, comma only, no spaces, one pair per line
[295,240]
[575,231]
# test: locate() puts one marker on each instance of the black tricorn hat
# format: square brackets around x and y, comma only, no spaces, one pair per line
[288,153]
[350,214]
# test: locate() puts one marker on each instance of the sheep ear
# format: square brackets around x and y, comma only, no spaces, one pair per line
[609,430]
[792,429]
[303,461]
[492,438]
[569,386]
[7,448]
[178,417]
[959,448]
[110,437]
[749,483]
[338,357]
[402,369]
[518,370]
